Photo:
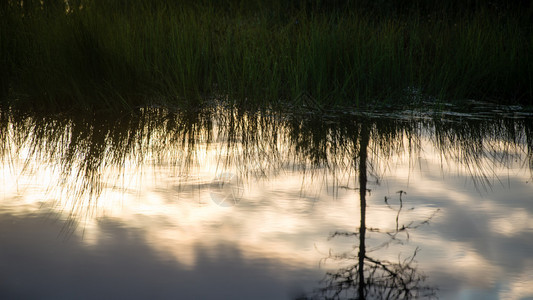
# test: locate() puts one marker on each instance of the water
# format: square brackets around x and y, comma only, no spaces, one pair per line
[224,204]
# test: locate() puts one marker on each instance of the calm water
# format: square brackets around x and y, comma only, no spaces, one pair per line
[228,205]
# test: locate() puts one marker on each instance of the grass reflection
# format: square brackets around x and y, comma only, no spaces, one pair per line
[87,152]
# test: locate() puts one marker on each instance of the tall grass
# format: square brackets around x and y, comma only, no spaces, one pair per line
[121,54]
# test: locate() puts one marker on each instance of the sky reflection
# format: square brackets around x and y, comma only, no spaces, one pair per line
[151,222]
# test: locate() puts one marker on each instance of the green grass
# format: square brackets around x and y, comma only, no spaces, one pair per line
[116,55]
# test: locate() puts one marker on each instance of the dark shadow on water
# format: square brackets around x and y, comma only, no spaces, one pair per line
[122,265]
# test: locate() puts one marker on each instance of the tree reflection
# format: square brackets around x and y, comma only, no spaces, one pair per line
[370,277]
[373,278]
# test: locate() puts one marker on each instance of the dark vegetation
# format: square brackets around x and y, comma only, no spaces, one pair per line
[119,54]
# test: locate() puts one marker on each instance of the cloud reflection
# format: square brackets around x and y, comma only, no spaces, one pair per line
[149,176]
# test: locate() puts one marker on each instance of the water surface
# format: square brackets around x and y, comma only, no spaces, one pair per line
[225,204]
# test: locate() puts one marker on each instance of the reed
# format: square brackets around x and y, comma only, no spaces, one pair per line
[117,55]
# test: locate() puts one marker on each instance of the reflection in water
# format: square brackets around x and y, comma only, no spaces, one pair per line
[370,277]
[84,148]
[374,278]
[271,185]
[226,189]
